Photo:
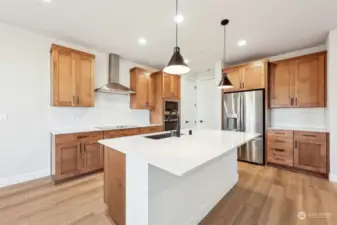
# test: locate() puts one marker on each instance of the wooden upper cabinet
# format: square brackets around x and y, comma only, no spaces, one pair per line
[63,77]
[310,151]
[299,82]
[72,76]
[253,76]
[175,87]
[235,76]
[68,159]
[171,86]
[85,80]
[142,83]
[167,90]
[280,85]
[249,76]
[310,81]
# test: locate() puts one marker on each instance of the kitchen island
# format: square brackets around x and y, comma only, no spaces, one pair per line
[172,180]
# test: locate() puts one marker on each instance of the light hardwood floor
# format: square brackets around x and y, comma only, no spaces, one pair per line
[263,196]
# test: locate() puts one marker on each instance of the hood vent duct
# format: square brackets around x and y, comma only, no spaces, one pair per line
[114,86]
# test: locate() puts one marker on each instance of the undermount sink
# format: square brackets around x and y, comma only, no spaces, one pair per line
[161,136]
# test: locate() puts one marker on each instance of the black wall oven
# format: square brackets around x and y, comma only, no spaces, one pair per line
[170,122]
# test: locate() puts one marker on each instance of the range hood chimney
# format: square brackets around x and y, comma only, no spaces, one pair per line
[114,86]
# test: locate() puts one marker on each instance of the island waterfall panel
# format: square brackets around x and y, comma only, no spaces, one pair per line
[138,193]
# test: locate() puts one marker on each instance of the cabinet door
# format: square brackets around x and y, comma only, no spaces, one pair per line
[175,87]
[310,155]
[253,76]
[84,80]
[235,76]
[281,85]
[167,91]
[310,81]
[68,160]
[92,156]
[63,77]
[151,95]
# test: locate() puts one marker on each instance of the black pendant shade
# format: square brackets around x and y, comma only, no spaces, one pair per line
[176,64]
[225,82]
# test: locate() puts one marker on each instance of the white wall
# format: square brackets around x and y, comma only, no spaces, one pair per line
[332,106]
[25,144]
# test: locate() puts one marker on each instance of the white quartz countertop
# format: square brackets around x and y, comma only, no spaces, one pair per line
[180,155]
[72,130]
[298,128]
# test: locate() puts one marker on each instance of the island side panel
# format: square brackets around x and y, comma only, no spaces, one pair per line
[114,185]
[137,196]
[188,199]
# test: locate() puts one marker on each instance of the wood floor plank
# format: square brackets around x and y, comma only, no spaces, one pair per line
[263,196]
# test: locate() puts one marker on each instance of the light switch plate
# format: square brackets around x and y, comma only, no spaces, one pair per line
[3,117]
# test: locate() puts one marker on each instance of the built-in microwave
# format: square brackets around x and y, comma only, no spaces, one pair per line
[171,119]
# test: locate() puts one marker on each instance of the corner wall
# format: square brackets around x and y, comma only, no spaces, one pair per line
[332,104]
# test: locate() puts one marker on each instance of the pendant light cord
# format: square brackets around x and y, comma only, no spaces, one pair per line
[224,48]
[176,23]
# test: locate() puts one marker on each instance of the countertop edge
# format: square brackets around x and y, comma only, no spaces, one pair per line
[87,130]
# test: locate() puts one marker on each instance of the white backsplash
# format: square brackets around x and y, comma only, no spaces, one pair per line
[110,109]
[301,117]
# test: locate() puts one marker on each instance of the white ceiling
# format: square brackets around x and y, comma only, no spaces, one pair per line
[269,26]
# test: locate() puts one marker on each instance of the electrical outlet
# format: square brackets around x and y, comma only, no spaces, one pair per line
[3,117]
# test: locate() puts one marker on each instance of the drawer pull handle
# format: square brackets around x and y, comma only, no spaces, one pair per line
[279,141]
[82,136]
[279,159]
[279,150]
[279,133]
[309,135]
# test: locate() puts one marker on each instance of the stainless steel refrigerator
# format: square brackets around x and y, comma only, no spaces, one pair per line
[244,111]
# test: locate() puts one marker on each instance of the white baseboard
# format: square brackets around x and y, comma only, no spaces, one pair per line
[23,178]
[333,177]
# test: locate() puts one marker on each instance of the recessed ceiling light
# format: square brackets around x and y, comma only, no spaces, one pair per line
[142,41]
[47,0]
[179,18]
[242,43]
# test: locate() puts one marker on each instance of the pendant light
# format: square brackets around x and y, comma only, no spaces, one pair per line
[176,64]
[225,82]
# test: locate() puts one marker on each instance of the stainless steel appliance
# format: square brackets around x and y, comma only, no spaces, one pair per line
[244,111]
[171,120]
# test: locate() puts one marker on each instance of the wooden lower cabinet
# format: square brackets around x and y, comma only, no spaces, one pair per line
[92,156]
[68,160]
[310,154]
[77,154]
[80,153]
[302,150]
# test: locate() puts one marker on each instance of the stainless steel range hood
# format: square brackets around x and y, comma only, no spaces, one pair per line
[114,86]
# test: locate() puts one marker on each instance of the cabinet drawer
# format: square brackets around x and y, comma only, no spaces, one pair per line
[281,156]
[280,150]
[281,133]
[112,134]
[79,137]
[148,130]
[129,132]
[280,140]
[281,160]
[310,135]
